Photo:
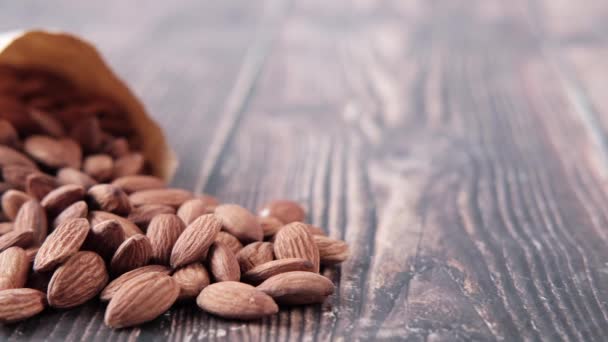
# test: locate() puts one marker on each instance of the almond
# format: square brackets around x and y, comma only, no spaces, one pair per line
[104,238]
[193,243]
[284,210]
[76,210]
[163,231]
[69,175]
[19,304]
[229,241]
[255,254]
[39,185]
[99,166]
[129,165]
[264,271]
[80,279]
[54,153]
[62,243]
[47,123]
[239,222]
[295,241]
[130,184]
[236,300]
[141,299]
[115,284]
[171,197]
[12,200]
[62,197]
[297,288]
[9,156]
[130,229]
[223,264]
[191,280]
[314,230]
[16,238]
[109,198]
[192,209]
[142,215]
[270,225]
[14,266]
[15,175]
[134,252]
[8,134]
[6,227]
[87,132]
[32,217]
[331,251]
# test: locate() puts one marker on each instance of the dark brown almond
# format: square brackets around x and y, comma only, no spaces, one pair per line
[284,210]
[130,184]
[109,198]
[32,217]
[78,280]
[270,225]
[222,263]
[331,251]
[295,241]
[47,123]
[191,280]
[87,132]
[115,284]
[130,229]
[314,230]
[129,165]
[134,252]
[8,134]
[236,300]
[57,200]
[12,200]
[38,185]
[297,288]
[142,215]
[76,210]
[10,156]
[193,244]
[6,227]
[99,166]
[163,231]
[54,153]
[192,209]
[254,254]
[61,244]
[171,197]
[239,222]
[141,299]
[21,239]
[229,241]
[16,174]
[264,271]
[69,175]
[105,238]
[14,266]
[118,147]
[19,304]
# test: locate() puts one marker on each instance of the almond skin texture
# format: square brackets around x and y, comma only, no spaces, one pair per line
[9,156]
[39,185]
[130,184]
[229,241]
[12,200]
[19,304]
[254,254]
[69,175]
[109,198]
[54,153]
[264,271]
[295,241]
[14,266]
[105,238]
[76,210]
[331,251]
[99,166]
[236,300]
[115,284]
[239,222]
[171,197]
[141,299]
[78,280]
[62,243]
[194,242]
[62,197]
[133,253]
[192,209]
[142,215]
[284,210]
[191,280]
[297,288]
[270,225]
[31,216]
[130,229]
[223,264]
[129,165]
[163,232]
[21,239]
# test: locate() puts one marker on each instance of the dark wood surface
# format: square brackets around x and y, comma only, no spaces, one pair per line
[460,147]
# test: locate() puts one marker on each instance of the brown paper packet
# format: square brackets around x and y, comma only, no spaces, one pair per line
[79,62]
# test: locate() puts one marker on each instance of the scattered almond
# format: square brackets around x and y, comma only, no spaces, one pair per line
[284,210]
[130,184]
[254,254]
[130,229]
[16,175]
[295,241]
[39,185]
[236,300]
[109,198]
[99,166]
[129,165]
[193,243]
[191,279]
[12,200]
[16,238]
[269,269]
[62,243]
[229,241]
[239,222]
[32,217]
[297,288]
[171,197]
[193,209]
[142,215]
[19,304]
[69,175]
[163,232]
[331,251]
[105,238]
[134,252]
[9,156]
[270,225]
[62,197]
[223,264]
[76,210]
[109,291]
[14,266]
[54,153]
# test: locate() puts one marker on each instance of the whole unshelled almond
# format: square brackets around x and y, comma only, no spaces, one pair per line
[109,198]
[97,216]
[129,165]
[254,254]
[171,197]
[79,279]
[31,216]
[14,266]
[76,210]
[62,197]
[105,238]
[270,225]
[47,123]
[191,280]
[297,288]
[62,243]
[68,175]
[12,200]
[87,133]
[264,271]
[229,241]
[19,304]
[130,184]
[141,299]
[192,209]
[194,242]
[16,238]
[230,299]
[39,185]
[134,252]
[284,210]
[331,251]
[16,174]
[163,232]
[99,166]
[54,153]
[223,264]
[8,134]
[9,156]
[295,241]
[142,215]
[239,222]
[115,284]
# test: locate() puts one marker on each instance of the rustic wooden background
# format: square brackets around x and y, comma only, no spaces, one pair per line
[460,147]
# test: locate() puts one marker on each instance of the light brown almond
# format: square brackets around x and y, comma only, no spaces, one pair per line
[57,200]
[6,227]
[254,254]
[129,165]
[192,209]
[239,222]
[109,291]
[134,252]
[12,200]
[171,197]
[236,300]
[10,156]
[47,123]
[284,210]
[104,238]
[87,133]
[19,304]
[270,225]
[331,251]
[97,216]
[264,271]
[68,175]
[54,153]
[191,280]
[15,175]
[163,231]
[297,288]
[32,217]
[229,241]
[78,280]
[16,238]
[117,148]
[295,241]
[130,184]
[99,166]
[76,210]
[222,263]
[193,243]
[110,198]
[14,266]
[142,215]
[61,244]
[39,185]
[141,299]
[8,134]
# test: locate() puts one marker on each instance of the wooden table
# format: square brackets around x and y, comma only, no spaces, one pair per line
[460,147]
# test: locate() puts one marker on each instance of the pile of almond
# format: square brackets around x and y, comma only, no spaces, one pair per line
[82,218]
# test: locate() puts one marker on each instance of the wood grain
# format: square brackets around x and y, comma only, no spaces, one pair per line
[460,147]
